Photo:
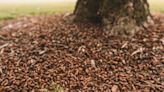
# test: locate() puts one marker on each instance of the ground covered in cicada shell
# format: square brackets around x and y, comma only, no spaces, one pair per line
[37,51]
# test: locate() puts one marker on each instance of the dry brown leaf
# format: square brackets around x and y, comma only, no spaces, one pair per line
[115,88]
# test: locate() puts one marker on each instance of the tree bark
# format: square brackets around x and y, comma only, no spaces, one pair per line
[121,17]
[87,11]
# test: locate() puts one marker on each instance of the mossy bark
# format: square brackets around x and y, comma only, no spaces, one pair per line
[121,17]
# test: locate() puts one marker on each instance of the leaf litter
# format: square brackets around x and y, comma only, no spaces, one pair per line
[79,57]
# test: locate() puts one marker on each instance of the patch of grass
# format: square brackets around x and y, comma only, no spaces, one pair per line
[9,11]
[156,5]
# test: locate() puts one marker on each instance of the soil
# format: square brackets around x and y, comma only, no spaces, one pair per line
[37,51]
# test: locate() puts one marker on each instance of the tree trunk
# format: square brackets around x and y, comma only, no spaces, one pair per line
[121,17]
[87,11]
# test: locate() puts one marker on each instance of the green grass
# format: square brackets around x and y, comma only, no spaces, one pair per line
[10,11]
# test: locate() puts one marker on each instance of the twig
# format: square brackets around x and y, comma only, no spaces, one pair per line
[137,51]
[5,45]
